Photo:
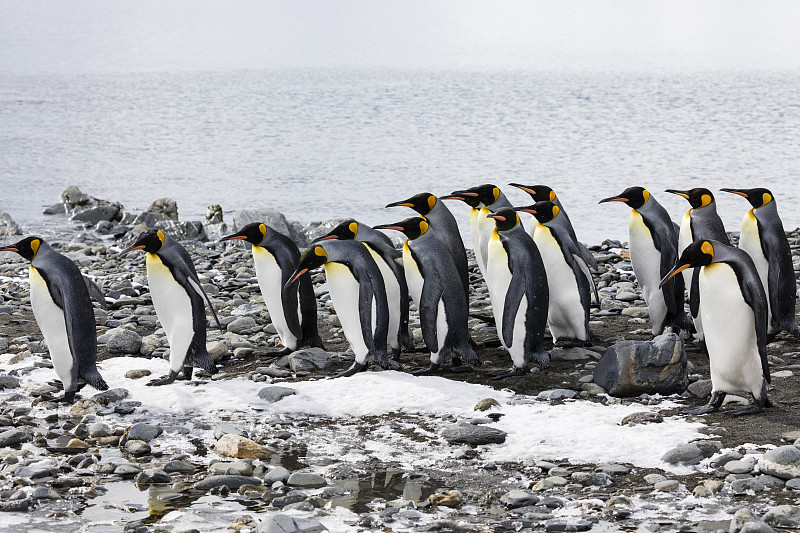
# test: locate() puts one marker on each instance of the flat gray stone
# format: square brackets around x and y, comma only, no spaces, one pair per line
[8,382]
[591,479]
[783,516]
[241,324]
[124,341]
[518,498]
[747,485]
[306,480]
[739,467]
[700,388]
[310,359]
[782,462]
[275,394]
[15,436]
[224,428]
[745,521]
[278,473]
[692,453]
[473,435]
[232,482]
[557,394]
[281,523]
[145,432]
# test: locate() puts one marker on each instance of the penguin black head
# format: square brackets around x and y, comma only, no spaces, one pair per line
[539,193]
[486,193]
[698,197]
[543,211]
[758,197]
[697,254]
[422,203]
[472,201]
[27,247]
[315,256]
[346,231]
[150,241]
[412,227]
[254,233]
[505,218]
[634,197]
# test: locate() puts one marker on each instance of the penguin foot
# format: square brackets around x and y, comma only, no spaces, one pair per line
[507,373]
[423,370]
[753,408]
[186,375]
[67,397]
[57,384]
[163,380]
[395,354]
[713,405]
[355,368]
[285,351]
[459,369]
[393,364]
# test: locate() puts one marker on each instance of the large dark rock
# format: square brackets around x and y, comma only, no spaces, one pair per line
[473,434]
[309,359]
[164,209]
[183,231]
[269,216]
[631,368]
[230,481]
[85,208]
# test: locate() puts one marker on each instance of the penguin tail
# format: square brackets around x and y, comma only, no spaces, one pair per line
[96,380]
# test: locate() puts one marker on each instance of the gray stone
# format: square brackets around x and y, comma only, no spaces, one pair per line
[241,324]
[310,359]
[782,462]
[557,394]
[668,485]
[592,479]
[164,209]
[223,429]
[614,469]
[97,213]
[747,485]
[44,493]
[311,231]
[99,429]
[217,350]
[306,480]
[145,432]
[518,498]
[181,467]
[700,388]
[783,516]
[111,396]
[474,435]
[137,448]
[240,468]
[278,473]
[740,467]
[281,523]
[232,482]
[692,453]
[745,521]
[269,216]
[183,231]
[486,404]
[8,226]
[654,478]
[8,382]
[127,470]
[124,341]
[15,436]
[631,368]
[150,343]
[571,524]
[275,394]
[642,417]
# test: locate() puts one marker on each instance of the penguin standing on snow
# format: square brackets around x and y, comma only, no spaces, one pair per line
[436,288]
[293,308]
[445,226]
[519,293]
[765,240]
[63,310]
[180,304]
[389,261]
[357,291]
[543,193]
[654,250]
[734,309]
[701,222]
[567,276]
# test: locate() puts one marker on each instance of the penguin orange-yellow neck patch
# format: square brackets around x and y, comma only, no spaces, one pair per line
[705,200]
[708,249]
[35,246]
[431,201]
[354,227]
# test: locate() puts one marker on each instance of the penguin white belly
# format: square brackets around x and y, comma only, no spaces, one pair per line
[497,270]
[565,314]
[730,332]
[441,333]
[750,242]
[392,298]
[646,260]
[174,309]
[343,288]
[414,278]
[268,273]
[51,321]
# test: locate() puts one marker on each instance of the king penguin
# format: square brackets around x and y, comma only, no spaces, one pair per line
[567,277]
[436,288]
[519,293]
[765,240]
[390,262]
[180,304]
[358,294]
[63,310]
[734,309]
[699,223]
[654,250]
[543,193]
[445,226]
[293,308]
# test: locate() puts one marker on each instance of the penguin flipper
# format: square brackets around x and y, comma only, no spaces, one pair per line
[694,293]
[195,284]
[514,293]
[581,262]
[94,291]
[429,312]
[753,292]
[587,256]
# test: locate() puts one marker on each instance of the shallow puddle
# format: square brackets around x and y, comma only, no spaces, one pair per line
[387,485]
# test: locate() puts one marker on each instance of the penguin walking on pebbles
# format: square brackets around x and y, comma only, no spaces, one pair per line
[63,309]
[358,294]
[699,223]
[568,276]
[734,310]
[180,303]
[519,293]
[436,288]
[292,308]
[390,263]
[765,240]
[654,250]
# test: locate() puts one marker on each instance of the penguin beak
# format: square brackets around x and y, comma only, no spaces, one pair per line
[234,237]
[672,273]
[523,187]
[495,216]
[131,248]
[679,193]
[453,196]
[395,227]
[9,249]
[735,191]
[325,238]
[295,277]
[530,210]
[404,203]
[613,199]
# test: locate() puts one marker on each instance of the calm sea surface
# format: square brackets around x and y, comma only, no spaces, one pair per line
[325,143]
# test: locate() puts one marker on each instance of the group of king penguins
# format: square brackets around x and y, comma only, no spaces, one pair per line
[537,279]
